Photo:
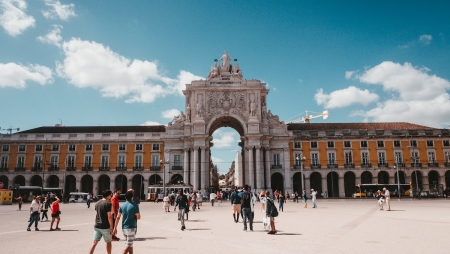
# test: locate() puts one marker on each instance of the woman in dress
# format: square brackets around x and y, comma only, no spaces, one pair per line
[166,203]
[269,204]
[304,199]
[380,199]
[262,200]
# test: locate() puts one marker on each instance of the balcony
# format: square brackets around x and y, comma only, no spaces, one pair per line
[382,165]
[400,164]
[138,168]
[433,164]
[5,169]
[53,168]
[103,168]
[416,165]
[121,168]
[177,167]
[366,165]
[349,165]
[276,166]
[316,166]
[87,168]
[19,168]
[155,168]
[36,169]
[332,165]
[297,167]
[70,168]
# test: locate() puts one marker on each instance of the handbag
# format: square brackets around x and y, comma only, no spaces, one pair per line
[266,223]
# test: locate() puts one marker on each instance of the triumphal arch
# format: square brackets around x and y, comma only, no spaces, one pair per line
[226,99]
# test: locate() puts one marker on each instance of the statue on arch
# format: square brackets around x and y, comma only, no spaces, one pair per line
[237,73]
[199,109]
[180,118]
[253,108]
[188,113]
[214,72]
[225,62]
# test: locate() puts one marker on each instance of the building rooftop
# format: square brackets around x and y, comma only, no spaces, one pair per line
[95,129]
[357,126]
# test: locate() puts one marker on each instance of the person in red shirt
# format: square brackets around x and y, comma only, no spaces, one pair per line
[55,214]
[115,210]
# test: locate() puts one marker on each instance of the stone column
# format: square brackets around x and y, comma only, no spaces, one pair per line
[95,186]
[287,171]
[202,168]
[78,184]
[145,182]
[251,169]
[195,169]
[207,170]
[259,171]
[186,165]
[341,186]
[112,184]
[307,186]
[268,174]
[325,185]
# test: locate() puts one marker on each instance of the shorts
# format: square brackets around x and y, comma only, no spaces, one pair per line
[129,234]
[56,215]
[236,208]
[272,218]
[105,233]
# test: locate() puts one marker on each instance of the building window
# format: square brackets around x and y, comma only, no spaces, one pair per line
[21,148]
[446,142]
[138,161]
[122,147]
[380,143]
[415,157]
[446,157]
[104,163]
[88,161]
[365,158]
[37,162]
[155,160]
[177,160]
[397,143]
[331,158]
[21,162]
[430,143]
[105,147]
[72,147]
[382,158]
[38,148]
[314,159]
[347,144]
[398,157]
[5,148]
[363,143]
[431,157]
[298,159]
[89,147]
[313,144]
[55,148]
[121,161]
[297,145]
[348,158]
[155,147]
[138,147]
[413,143]
[276,159]
[330,144]
[4,162]
[71,161]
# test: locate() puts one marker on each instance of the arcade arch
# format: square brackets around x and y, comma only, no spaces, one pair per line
[433,177]
[53,181]
[4,179]
[297,183]
[103,184]
[333,184]
[155,179]
[383,177]
[71,184]
[36,180]
[87,183]
[137,184]
[366,177]
[349,183]
[315,181]
[402,177]
[121,183]
[277,180]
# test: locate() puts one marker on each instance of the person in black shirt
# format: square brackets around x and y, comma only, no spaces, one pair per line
[182,203]
[246,204]
[103,222]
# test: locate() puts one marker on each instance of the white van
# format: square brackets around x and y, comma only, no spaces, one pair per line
[78,197]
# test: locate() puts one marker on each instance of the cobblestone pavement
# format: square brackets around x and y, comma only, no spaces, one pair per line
[336,226]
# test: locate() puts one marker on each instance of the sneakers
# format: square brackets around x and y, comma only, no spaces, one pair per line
[183,228]
[271,232]
[57,229]
[36,229]
[28,229]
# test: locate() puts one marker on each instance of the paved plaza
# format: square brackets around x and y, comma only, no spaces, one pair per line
[336,226]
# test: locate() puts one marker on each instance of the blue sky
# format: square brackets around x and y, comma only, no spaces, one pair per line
[126,62]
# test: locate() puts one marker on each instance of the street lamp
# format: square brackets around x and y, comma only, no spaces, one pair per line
[415,172]
[301,159]
[164,175]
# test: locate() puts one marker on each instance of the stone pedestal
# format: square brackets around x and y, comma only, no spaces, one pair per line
[253,125]
[199,126]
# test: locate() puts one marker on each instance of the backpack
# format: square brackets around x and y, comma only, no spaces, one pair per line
[246,200]
[236,198]
[273,209]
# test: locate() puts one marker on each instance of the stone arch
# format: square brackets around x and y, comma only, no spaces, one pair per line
[4,179]
[315,181]
[333,184]
[297,182]
[366,177]
[383,177]
[103,184]
[447,178]
[176,179]
[155,179]
[277,182]
[36,180]
[71,185]
[53,181]
[419,180]
[87,183]
[121,183]
[433,177]
[226,121]
[349,183]
[137,184]
[402,176]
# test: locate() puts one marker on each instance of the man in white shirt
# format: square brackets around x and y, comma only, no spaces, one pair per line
[34,210]
[212,197]
[387,196]
[313,198]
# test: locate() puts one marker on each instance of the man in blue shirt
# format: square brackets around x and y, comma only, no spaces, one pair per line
[182,203]
[236,204]
[130,212]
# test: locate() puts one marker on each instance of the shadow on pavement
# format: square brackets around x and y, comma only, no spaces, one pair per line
[149,238]
[193,229]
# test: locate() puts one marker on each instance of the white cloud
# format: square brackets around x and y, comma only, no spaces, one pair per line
[425,39]
[170,113]
[58,10]
[53,37]
[224,139]
[184,78]
[93,65]
[349,74]
[13,17]
[216,160]
[150,123]
[15,75]
[345,97]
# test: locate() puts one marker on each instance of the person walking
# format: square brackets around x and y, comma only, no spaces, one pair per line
[103,226]
[286,198]
[55,214]
[380,199]
[235,200]
[280,202]
[45,205]
[219,198]
[34,211]
[304,197]
[212,198]
[246,205]
[194,200]
[199,199]
[387,196]
[20,202]
[115,210]
[262,200]
[295,197]
[182,203]
[269,205]
[313,198]
[130,212]
[166,203]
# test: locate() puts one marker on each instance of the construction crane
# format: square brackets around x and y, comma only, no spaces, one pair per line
[307,118]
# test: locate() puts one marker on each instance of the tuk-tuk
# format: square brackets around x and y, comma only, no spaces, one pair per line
[78,197]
